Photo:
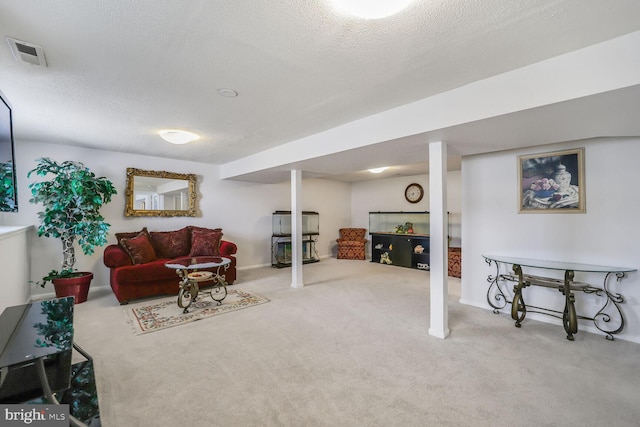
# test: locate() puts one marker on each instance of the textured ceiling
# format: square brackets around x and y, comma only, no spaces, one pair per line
[118,71]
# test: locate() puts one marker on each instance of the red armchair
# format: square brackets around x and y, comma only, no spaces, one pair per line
[351,243]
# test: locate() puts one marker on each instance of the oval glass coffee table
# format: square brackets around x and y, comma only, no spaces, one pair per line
[188,268]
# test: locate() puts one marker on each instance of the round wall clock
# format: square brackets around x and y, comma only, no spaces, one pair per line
[414,193]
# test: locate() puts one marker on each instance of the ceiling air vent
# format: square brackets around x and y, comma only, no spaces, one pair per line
[27,52]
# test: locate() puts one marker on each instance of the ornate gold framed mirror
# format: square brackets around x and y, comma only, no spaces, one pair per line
[160,193]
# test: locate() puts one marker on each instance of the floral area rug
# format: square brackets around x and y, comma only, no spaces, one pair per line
[164,313]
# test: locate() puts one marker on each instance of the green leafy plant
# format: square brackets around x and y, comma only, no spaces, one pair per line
[72,200]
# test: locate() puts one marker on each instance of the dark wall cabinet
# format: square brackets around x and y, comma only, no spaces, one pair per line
[400,238]
[400,249]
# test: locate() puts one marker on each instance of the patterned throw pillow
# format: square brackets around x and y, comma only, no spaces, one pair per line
[171,244]
[139,248]
[205,242]
[130,235]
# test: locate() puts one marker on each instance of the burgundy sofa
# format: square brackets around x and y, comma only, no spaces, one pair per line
[137,262]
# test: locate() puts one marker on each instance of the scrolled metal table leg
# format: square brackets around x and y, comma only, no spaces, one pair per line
[602,318]
[187,295]
[518,307]
[494,288]
[219,291]
[569,318]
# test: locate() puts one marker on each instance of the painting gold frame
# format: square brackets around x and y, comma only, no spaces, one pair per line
[187,194]
[552,182]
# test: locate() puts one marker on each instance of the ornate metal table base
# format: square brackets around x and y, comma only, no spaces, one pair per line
[608,318]
[190,289]
[190,278]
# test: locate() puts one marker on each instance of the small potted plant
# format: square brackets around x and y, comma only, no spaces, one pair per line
[72,200]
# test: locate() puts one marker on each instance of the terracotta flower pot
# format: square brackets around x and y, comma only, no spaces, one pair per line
[77,287]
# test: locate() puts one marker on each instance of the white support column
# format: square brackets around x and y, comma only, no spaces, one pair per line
[296,229]
[438,246]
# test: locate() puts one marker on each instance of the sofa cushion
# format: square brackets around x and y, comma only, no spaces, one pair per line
[205,242]
[139,248]
[171,244]
[130,235]
[151,272]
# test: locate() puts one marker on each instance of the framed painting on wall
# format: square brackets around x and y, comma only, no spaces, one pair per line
[552,182]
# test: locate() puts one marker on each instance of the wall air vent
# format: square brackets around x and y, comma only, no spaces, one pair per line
[27,52]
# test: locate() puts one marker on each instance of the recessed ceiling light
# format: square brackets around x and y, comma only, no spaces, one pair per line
[228,93]
[379,170]
[370,9]
[177,136]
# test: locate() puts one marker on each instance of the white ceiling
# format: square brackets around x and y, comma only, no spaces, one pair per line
[121,70]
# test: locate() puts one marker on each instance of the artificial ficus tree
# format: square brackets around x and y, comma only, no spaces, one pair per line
[72,200]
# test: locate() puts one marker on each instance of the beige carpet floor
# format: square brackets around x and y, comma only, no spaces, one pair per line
[351,348]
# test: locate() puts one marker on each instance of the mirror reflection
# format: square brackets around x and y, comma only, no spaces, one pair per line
[8,199]
[160,193]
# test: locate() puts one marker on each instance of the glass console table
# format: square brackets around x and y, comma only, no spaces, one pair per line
[608,318]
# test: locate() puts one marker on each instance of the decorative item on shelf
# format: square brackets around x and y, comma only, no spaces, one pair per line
[379,246]
[72,200]
[390,246]
[384,258]
[418,249]
[406,228]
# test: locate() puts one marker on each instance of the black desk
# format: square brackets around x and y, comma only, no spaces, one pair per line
[602,319]
[36,346]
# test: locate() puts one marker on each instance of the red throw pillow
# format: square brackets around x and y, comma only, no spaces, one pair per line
[139,248]
[205,242]
[130,235]
[171,244]
[193,227]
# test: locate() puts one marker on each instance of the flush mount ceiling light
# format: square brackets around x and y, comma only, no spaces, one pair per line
[227,93]
[370,9]
[379,170]
[177,136]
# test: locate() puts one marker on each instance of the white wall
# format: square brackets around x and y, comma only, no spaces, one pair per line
[243,210]
[14,266]
[607,234]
